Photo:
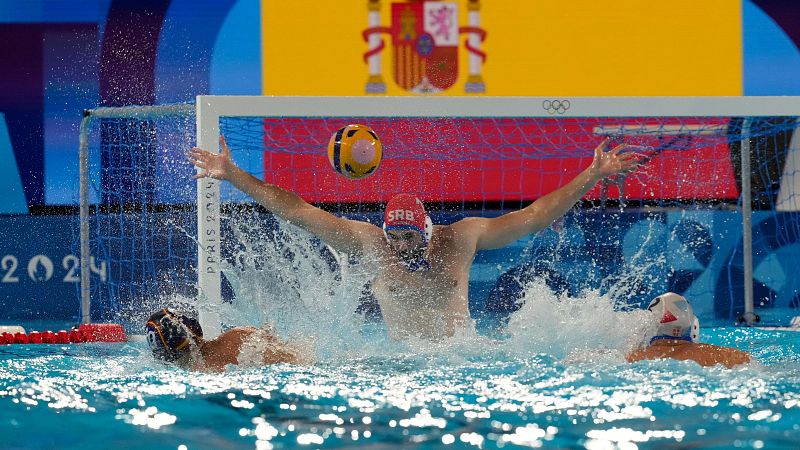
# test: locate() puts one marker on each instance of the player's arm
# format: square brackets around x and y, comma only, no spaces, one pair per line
[501,231]
[341,234]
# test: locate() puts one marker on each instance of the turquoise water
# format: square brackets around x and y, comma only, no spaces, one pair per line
[556,378]
[468,393]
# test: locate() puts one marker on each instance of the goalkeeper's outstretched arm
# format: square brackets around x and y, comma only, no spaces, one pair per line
[342,234]
[501,231]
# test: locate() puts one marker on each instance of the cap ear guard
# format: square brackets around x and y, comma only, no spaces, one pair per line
[428,229]
[170,335]
[156,341]
[695,329]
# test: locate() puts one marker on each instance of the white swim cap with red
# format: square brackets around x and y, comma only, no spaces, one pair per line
[406,212]
[676,319]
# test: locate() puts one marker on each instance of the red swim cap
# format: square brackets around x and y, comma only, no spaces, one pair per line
[406,212]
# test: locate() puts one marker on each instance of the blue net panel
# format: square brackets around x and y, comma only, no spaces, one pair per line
[143,214]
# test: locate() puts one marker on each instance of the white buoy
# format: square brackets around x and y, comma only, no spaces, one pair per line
[13,329]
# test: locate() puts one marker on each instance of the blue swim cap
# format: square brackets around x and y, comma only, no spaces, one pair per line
[169,334]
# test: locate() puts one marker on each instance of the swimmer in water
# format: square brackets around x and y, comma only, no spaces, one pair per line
[177,338]
[422,273]
[677,334]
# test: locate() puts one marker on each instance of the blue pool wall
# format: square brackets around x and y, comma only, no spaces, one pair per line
[634,254]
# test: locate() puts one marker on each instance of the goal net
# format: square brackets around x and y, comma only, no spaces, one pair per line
[681,223]
[137,209]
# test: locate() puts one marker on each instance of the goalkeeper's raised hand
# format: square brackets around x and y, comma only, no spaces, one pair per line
[215,165]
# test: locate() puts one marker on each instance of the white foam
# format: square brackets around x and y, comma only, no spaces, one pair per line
[300,295]
[562,325]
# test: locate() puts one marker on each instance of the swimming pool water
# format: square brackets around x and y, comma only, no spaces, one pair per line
[458,395]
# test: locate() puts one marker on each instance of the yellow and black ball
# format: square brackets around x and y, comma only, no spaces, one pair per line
[355,151]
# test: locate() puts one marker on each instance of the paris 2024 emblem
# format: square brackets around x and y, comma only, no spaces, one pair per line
[425,37]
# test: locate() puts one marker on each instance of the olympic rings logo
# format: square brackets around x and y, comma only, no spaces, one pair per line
[556,106]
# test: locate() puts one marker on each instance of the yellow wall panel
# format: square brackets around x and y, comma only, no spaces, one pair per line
[313,47]
[561,48]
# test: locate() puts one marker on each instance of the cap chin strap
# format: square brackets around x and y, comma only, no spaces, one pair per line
[418,264]
[671,338]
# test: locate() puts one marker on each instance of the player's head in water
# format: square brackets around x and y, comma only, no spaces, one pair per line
[676,332]
[171,335]
[676,319]
[408,230]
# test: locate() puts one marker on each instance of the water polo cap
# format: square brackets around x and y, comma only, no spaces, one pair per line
[169,334]
[676,319]
[406,212]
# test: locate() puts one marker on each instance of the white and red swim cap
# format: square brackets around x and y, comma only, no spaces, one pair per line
[676,319]
[406,212]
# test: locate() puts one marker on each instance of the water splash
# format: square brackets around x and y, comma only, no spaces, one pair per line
[287,279]
[560,325]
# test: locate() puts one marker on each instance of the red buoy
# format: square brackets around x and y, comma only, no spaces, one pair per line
[62,337]
[103,332]
[76,336]
[34,337]
[88,332]
[48,337]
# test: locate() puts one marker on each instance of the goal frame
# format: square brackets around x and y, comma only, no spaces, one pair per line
[208,110]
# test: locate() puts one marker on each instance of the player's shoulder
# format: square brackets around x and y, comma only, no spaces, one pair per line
[364,228]
[458,228]
[728,356]
[467,224]
[715,348]
[237,333]
[367,234]
[730,351]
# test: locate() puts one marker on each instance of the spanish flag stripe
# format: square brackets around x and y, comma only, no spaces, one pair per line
[409,80]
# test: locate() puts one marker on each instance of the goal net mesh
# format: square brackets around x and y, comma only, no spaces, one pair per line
[673,225]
